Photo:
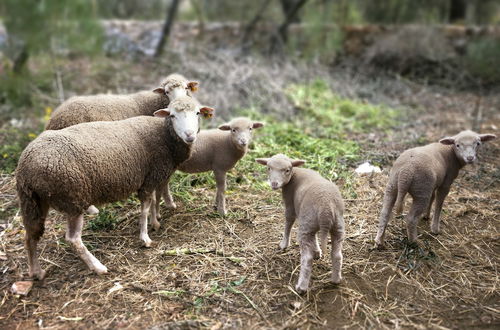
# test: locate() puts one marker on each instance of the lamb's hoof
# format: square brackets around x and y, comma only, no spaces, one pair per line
[100,269]
[146,241]
[222,212]
[336,279]
[92,210]
[171,205]
[300,289]
[435,232]
[38,275]
[156,225]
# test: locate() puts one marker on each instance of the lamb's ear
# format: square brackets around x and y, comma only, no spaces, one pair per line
[207,112]
[225,127]
[159,90]
[162,113]
[193,86]
[298,162]
[447,140]
[257,124]
[262,161]
[487,137]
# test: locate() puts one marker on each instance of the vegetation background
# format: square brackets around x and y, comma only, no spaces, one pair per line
[338,82]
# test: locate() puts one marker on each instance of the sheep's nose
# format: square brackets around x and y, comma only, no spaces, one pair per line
[190,136]
[274,185]
[243,142]
[470,158]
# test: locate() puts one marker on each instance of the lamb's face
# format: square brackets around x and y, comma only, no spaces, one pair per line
[176,86]
[184,113]
[466,144]
[241,131]
[279,169]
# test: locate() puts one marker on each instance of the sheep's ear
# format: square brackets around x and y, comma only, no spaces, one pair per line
[193,86]
[207,112]
[159,90]
[447,141]
[487,137]
[162,113]
[257,124]
[298,162]
[262,161]
[225,127]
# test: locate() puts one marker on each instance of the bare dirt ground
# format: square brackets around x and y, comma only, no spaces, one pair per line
[228,272]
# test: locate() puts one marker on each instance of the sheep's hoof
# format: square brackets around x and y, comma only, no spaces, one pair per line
[39,275]
[336,279]
[171,205]
[222,212]
[92,210]
[156,225]
[317,254]
[100,269]
[147,241]
[300,290]
[436,231]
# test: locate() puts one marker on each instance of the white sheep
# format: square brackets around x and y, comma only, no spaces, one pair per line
[101,162]
[318,205]
[216,150]
[426,173]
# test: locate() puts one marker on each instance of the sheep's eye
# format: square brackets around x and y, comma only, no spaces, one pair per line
[172,116]
[234,130]
[287,170]
[458,145]
[478,143]
[250,129]
[198,113]
[268,168]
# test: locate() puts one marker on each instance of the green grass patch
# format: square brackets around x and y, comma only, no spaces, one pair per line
[107,219]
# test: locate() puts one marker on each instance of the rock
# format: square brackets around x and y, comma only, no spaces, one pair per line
[22,287]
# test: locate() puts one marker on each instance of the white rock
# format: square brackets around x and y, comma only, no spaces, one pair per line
[367,168]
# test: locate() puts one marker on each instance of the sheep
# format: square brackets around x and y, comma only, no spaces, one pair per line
[426,173]
[101,162]
[110,107]
[318,205]
[215,150]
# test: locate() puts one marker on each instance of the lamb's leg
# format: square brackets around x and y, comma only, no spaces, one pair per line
[155,208]
[145,205]
[385,215]
[220,200]
[92,210]
[289,220]
[74,236]
[34,230]
[167,196]
[441,194]
[307,243]
[337,240]
[417,210]
[428,213]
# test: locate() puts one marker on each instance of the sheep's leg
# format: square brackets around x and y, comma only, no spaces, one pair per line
[74,236]
[92,210]
[167,196]
[385,215]
[418,208]
[34,230]
[289,220]
[441,194]
[336,254]
[428,213]
[220,200]
[307,243]
[155,208]
[145,205]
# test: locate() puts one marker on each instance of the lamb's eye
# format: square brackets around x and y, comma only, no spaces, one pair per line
[234,130]
[198,113]
[268,168]
[287,170]
[458,145]
[478,143]
[250,129]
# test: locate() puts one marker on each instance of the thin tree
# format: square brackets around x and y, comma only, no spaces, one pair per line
[167,26]
[250,27]
[280,37]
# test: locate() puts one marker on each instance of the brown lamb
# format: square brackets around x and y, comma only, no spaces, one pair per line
[318,205]
[426,173]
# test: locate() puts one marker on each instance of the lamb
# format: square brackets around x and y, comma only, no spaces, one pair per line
[318,205]
[216,150]
[110,107]
[101,162]
[426,173]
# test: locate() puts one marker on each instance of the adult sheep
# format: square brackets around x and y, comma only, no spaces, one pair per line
[101,162]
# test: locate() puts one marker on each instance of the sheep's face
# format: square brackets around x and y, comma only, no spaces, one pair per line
[279,169]
[184,114]
[466,144]
[241,131]
[175,87]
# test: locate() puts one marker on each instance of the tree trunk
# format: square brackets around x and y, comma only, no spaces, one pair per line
[457,10]
[253,23]
[167,26]
[20,60]
[280,37]
[287,6]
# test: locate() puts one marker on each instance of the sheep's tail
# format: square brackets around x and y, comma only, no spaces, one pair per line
[32,211]
[403,185]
